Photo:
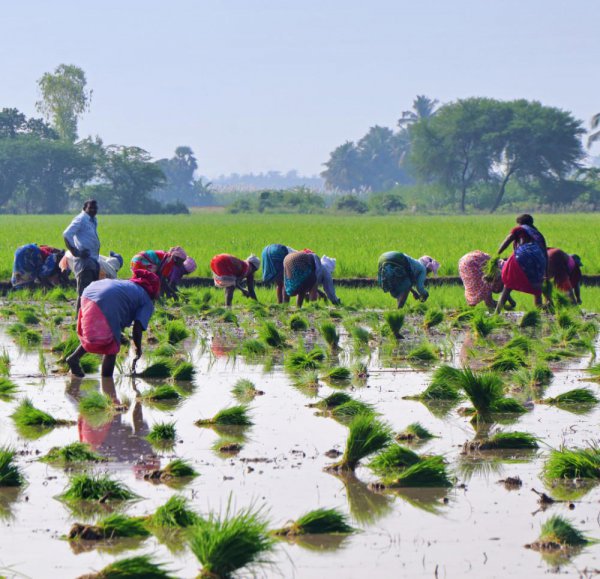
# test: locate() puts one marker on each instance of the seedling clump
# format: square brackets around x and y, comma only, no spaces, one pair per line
[74,452]
[85,487]
[415,432]
[317,522]
[174,514]
[558,533]
[10,473]
[232,416]
[140,566]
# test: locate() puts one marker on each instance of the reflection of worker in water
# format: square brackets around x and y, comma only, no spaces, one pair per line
[117,439]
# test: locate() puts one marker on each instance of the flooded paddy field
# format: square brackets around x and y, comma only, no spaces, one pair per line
[455,522]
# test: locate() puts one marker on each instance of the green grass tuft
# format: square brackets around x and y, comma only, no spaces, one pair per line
[10,473]
[575,397]
[271,336]
[252,347]
[244,390]
[71,453]
[443,385]
[394,321]
[232,416]
[26,414]
[95,402]
[177,331]
[349,410]
[160,393]
[483,324]
[333,400]
[184,372]
[162,432]
[174,514]
[330,334]
[415,431]
[531,319]
[298,323]
[433,317]
[114,526]
[299,361]
[338,374]
[161,368]
[140,567]
[425,352]
[428,472]
[317,522]
[574,463]
[85,487]
[559,530]
[505,441]
[360,335]
[7,389]
[180,468]
[395,457]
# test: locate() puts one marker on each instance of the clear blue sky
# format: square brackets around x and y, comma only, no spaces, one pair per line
[253,85]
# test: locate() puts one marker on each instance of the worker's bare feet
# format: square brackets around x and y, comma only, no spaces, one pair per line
[75,367]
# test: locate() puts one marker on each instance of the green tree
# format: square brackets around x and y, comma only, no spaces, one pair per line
[595,136]
[343,169]
[64,99]
[422,108]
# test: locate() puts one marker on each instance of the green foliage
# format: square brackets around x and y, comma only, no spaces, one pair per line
[71,453]
[394,457]
[95,402]
[161,393]
[177,331]
[226,543]
[330,334]
[251,347]
[300,361]
[394,321]
[574,463]
[559,530]
[483,389]
[180,468]
[7,389]
[138,567]
[531,319]
[333,400]
[244,390]
[428,472]
[338,374]
[158,369]
[174,514]
[232,416]
[184,372]
[361,336]
[415,431]
[483,325]
[575,397]
[85,487]
[28,317]
[269,334]
[26,414]
[349,410]
[116,526]
[433,317]
[10,473]
[509,441]
[507,360]
[162,432]
[317,522]
[444,385]
[298,323]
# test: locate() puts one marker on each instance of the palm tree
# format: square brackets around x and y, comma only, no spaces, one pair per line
[422,108]
[594,124]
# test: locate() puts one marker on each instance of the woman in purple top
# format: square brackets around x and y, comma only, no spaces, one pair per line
[107,307]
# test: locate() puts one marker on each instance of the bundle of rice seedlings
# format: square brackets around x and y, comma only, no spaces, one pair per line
[227,445]
[298,323]
[337,375]
[433,318]
[57,294]
[366,436]
[160,393]
[89,363]
[101,487]
[394,321]
[414,432]
[428,472]
[521,343]
[225,543]
[504,441]
[177,331]
[232,416]
[360,371]
[28,317]
[139,567]
[360,335]
[252,347]
[245,390]
[26,414]
[164,350]
[68,346]
[531,319]
[4,363]
[565,320]
[269,334]
[394,457]
[333,400]
[184,372]
[7,389]
[71,453]
[594,373]
[558,533]
[506,405]
[162,432]
[229,317]
[95,402]
[307,382]
[349,410]
[174,514]
[176,469]
[161,368]
[491,270]
[305,360]
[483,325]
[425,352]
[10,473]
[539,375]
[573,463]
[506,360]
[114,526]
[482,389]
[317,522]
[443,386]
[330,335]
[575,397]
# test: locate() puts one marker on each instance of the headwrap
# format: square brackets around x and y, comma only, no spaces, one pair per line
[189,265]
[254,261]
[328,263]
[178,252]
[430,263]
[148,280]
[577,260]
[118,257]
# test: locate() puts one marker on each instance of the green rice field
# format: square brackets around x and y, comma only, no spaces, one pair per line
[356,241]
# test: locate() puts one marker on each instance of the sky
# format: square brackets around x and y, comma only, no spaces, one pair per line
[258,85]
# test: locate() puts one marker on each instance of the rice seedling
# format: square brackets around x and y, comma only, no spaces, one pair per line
[114,526]
[26,414]
[232,416]
[425,352]
[89,363]
[575,397]
[333,400]
[349,410]
[180,468]
[317,522]
[337,375]
[4,363]
[227,445]
[565,463]
[531,319]
[428,472]
[161,368]
[86,487]
[162,432]
[594,373]
[504,441]
[224,543]
[443,386]
[95,402]
[184,372]
[7,389]
[566,321]
[244,390]
[229,317]
[161,393]
[252,347]
[433,317]
[330,335]
[394,321]
[536,377]
[558,533]
[483,325]
[491,270]
[307,382]
[57,294]
[164,350]
[142,566]
[366,436]
[10,473]
[71,453]
[174,514]
[507,360]
[301,360]
[360,371]
[521,343]
[28,317]
[177,331]
[68,346]
[414,432]
[298,323]
[394,457]
[271,336]
[360,335]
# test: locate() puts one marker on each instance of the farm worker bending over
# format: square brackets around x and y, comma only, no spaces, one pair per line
[399,274]
[272,263]
[109,266]
[526,269]
[81,239]
[304,272]
[565,271]
[170,266]
[37,263]
[478,288]
[107,307]
[230,272]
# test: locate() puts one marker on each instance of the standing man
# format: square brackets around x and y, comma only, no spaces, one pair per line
[81,238]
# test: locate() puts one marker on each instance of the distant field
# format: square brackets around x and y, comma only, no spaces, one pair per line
[356,242]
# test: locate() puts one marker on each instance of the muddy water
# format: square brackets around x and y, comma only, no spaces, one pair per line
[476,529]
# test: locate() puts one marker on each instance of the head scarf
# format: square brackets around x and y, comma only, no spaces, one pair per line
[148,280]
[118,257]
[189,265]
[178,252]
[328,263]
[430,263]
[577,260]
[254,261]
